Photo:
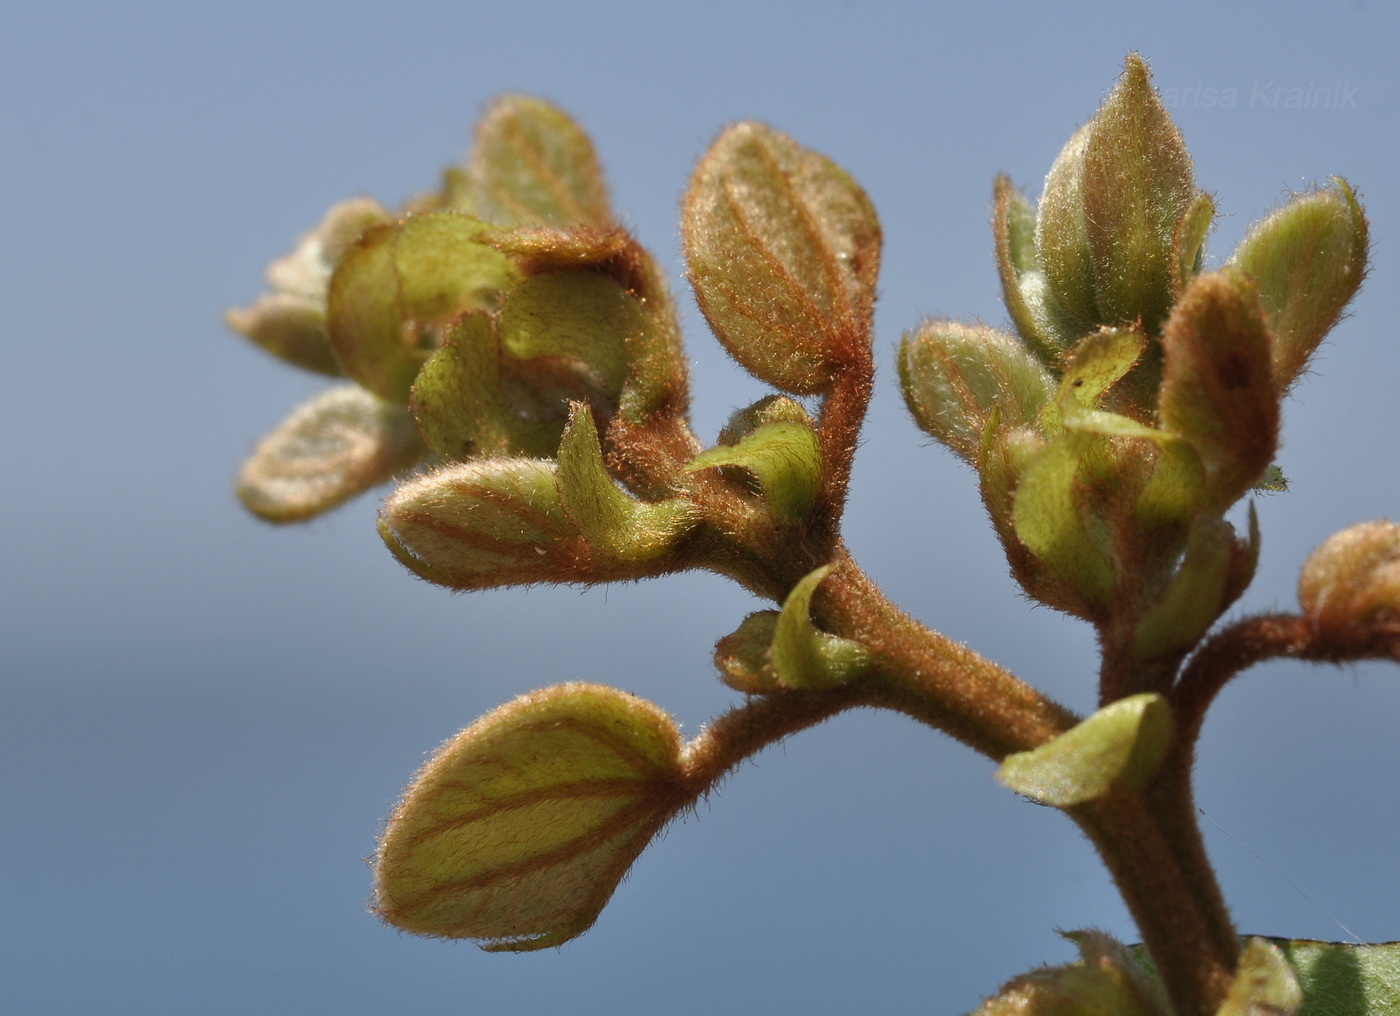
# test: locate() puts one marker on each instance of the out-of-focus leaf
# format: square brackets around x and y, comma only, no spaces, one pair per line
[339,444]
[531,165]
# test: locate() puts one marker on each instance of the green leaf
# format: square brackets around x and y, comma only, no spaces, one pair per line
[339,444]
[783,248]
[531,165]
[518,830]
[802,655]
[1122,743]
[785,458]
[290,327]
[400,286]
[1189,241]
[953,376]
[1095,364]
[583,319]
[1306,261]
[290,321]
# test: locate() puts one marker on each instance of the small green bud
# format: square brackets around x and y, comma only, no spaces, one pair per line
[784,456]
[744,657]
[339,444]
[400,286]
[954,376]
[519,829]
[1306,261]
[1120,210]
[1123,743]
[783,248]
[531,165]
[769,409]
[1218,387]
[1353,580]
[290,322]
[1264,983]
[1105,981]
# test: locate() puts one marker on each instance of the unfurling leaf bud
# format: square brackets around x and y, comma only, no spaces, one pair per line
[1218,388]
[804,656]
[1352,581]
[339,444]
[1306,262]
[783,248]
[400,286]
[783,455]
[290,322]
[1123,743]
[954,376]
[1105,981]
[531,165]
[1120,220]
[519,829]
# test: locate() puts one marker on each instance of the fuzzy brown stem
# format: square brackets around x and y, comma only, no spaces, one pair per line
[1188,933]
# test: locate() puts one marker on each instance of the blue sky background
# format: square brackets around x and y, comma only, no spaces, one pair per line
[204,719]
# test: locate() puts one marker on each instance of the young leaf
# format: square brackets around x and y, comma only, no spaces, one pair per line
[483,524]
[397,289]
[1306,262]
[1123,742]
[786,459]
[339,444]
[518,830]
[783,248]
[617,527]
[1218,389]
[531,165]
[1024,288]
[802,655]
[953,376]
[290,321]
